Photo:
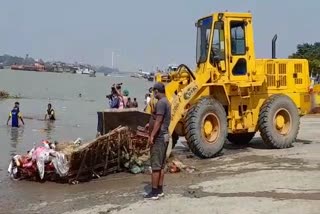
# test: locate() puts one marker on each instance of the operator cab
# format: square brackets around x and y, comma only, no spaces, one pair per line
[225,44]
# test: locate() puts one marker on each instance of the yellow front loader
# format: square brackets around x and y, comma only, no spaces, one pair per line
[231,94]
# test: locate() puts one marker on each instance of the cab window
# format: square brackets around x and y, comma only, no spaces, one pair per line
[238,46]
[218,49]
[203,38]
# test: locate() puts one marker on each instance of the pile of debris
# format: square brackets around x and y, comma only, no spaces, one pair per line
[70,162]
[120,149]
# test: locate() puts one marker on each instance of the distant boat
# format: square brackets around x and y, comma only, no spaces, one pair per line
[136,75]
[115,75]
[34,67]
[87,71]
[78,71]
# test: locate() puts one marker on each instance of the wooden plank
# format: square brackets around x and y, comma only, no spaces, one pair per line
[82,164]
[119,147]
[107,157]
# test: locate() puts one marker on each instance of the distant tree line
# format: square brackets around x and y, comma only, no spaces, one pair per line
[7,60]
[311,52]
[106,70]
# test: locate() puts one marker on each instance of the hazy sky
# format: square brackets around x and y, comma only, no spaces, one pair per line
[143,33]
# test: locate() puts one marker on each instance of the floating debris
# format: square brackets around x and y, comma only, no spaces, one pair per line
[4,95]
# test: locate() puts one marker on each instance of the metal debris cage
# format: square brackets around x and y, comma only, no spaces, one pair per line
[104,155]
[118,150]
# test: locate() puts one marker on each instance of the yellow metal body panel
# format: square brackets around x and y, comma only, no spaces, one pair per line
[239,81]
[315,96]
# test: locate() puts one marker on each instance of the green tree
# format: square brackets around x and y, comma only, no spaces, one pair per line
[311,52]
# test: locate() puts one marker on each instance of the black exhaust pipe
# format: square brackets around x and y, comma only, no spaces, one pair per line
[274,46]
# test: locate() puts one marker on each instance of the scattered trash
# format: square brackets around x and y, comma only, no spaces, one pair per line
[190,169]
[78,141]
[136,169]
[190,156]
[144,157]
[177,166]
[174,168]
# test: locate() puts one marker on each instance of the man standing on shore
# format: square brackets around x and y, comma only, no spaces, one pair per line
[159,140]
[15,114]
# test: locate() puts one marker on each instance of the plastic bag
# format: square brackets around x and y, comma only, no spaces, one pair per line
[42,158]
[41,155]
[60,164]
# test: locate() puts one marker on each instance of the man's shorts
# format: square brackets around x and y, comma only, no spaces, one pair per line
[158,153]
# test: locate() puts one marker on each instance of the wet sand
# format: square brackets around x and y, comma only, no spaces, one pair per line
[248,179]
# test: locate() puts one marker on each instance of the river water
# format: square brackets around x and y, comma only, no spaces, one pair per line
[76,116]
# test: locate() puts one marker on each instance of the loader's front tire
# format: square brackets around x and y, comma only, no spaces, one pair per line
[241,138]
[279,122]
[206,127]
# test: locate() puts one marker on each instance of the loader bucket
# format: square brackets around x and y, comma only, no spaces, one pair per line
[113,118]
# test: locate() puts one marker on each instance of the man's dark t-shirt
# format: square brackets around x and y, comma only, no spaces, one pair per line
[162,108]
[51,114]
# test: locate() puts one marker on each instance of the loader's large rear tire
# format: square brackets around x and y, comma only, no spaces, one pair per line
[279,121]
[241,138]
[206,127]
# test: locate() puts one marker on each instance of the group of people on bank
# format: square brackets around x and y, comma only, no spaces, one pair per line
[15,115]
[119,99]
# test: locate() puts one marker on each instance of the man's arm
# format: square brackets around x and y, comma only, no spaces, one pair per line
[20,116]
[22,120]
[118,92]
[8,119]
[45,117]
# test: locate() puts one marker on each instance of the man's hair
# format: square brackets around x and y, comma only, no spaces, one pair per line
[17,103]
[159,87]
